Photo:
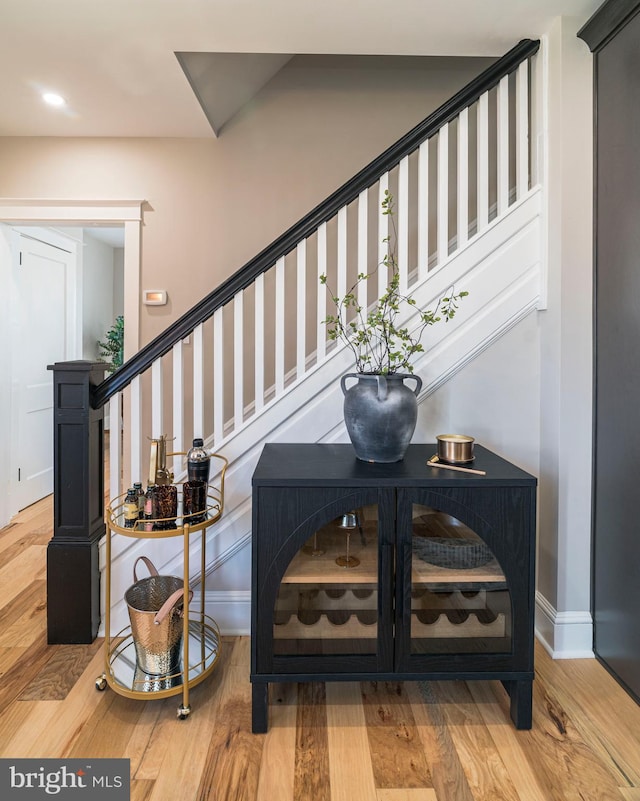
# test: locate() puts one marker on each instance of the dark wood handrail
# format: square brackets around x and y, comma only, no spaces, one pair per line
[324,211]
[609,18]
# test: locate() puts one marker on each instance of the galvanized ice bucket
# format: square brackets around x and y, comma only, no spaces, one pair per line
[156,612]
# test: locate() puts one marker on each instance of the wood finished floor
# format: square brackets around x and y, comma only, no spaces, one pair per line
[385,741]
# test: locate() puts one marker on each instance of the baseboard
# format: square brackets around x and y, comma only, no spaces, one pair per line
[231,609]
[565,635]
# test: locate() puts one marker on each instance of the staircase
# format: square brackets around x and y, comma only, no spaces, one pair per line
[260,367]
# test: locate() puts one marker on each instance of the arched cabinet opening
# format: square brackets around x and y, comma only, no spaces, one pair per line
[327,601]
[460,599]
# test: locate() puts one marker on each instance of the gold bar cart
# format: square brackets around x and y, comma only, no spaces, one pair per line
[201,636]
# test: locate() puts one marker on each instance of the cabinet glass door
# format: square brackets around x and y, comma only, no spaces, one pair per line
[327,601]
[460,602]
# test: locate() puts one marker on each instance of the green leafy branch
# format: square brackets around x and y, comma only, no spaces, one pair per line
[378,343]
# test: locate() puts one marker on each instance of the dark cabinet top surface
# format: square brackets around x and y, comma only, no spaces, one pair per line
[313,464]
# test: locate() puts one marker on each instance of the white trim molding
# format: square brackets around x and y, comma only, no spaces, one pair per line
[28,211]
[231,609]
[565,635]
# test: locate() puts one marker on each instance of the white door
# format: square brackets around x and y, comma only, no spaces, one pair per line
[41,330]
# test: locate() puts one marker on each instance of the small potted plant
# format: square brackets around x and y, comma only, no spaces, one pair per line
[111,349]
[380,411]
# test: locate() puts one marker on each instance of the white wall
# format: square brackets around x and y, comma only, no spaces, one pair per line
[495,399]
[564,553]
[118,281]
[97,294]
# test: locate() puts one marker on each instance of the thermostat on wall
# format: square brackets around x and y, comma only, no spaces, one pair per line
[155,297]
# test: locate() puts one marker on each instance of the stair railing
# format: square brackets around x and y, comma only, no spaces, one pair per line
[256,336]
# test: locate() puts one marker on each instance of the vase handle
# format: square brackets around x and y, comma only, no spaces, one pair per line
[382,387]
[418,381]
[380,380]
[343,381]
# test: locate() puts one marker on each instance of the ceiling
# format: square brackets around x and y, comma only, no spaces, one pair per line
[112,235]
[116,62]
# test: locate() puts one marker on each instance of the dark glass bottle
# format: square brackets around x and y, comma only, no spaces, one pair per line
[148,507]
[140,495]
[130,508]
[198,462]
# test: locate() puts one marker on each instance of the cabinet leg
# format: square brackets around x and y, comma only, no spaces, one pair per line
[259,707]
[521,708]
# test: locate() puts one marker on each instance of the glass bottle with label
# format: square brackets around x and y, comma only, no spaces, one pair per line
[140,495]
[148,507]
[130,508]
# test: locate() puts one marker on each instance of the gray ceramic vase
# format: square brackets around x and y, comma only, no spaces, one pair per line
[380,413]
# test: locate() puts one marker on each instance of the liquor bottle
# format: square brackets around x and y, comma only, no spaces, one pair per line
[140,495]
[198,462]
[148,507]
[130,508]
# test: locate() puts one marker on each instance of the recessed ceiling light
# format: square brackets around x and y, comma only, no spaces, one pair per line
[53,99]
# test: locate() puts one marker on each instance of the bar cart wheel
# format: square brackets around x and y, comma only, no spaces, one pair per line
[184,711]
[101,682]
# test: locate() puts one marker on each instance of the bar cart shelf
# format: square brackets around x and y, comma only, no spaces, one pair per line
[201,645]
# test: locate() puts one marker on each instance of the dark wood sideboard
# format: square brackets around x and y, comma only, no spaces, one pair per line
[439,582]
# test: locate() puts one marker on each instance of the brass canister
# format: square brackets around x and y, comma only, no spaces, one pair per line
[455,448]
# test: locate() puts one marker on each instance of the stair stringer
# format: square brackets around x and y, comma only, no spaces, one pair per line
[501,268]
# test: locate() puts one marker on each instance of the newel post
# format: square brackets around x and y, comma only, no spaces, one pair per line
[73,573]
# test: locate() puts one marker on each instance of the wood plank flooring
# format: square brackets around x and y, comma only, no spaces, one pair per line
[340,741]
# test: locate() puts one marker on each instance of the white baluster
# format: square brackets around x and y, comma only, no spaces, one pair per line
[522,129]
[321,338]
[238,359]
[483,162]
[279,326]
[443,193]
[198,381]
[301,310]
[178,407]
[218,375]
[258,346]
[342,252]
[115,453]
[135,428]
[402,217]
[383,233]
[157,399]
[463,178]
[363,221]
[502,145]
[423,210]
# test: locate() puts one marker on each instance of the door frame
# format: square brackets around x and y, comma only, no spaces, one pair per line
[81,213]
